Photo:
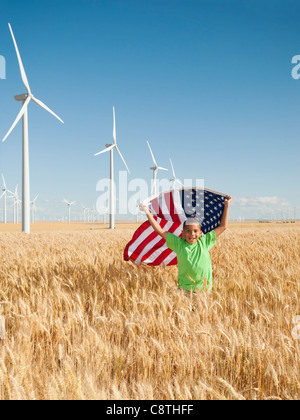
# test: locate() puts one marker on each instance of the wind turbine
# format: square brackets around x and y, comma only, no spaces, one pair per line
[15,198]
[33,208]
[18,207]
[5,191]
[174,179]
[86,210]
[25,99]
[69,206]
[103,211]
[111,147]
[155,169]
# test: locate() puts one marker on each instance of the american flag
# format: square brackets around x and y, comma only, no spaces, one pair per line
[171,209]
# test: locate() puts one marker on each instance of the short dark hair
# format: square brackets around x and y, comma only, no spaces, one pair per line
[191,221]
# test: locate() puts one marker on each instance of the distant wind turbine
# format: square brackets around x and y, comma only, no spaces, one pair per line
[33,209]
[86,210]
[5,191]
[15,198]
[103,211]
[69,207]
[174,179]
[155,169]
[25,99]
[111,147]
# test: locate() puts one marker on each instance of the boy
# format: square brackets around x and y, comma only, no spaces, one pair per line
[194,263]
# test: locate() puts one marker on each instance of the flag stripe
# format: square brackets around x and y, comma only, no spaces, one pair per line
[159,247]
[142,242]
[140,235]
[153,241]
[161,257]
[171,209]
[165,252]
[171,259]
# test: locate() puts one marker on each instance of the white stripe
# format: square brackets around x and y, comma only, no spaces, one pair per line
[159,251]
[155,254]
[178,206]
[139,240]
[169,258]
[152,243]
[164,207]
[153,212]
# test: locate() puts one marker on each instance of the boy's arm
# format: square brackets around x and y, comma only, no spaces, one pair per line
[153,222]
[224,222]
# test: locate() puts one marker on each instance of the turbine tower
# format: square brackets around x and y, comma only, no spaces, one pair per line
[15,198]
[33,209]
[111,147]
[69,207]
[174,179]
[155,169]
[5,191]
[86,210]
[25,99]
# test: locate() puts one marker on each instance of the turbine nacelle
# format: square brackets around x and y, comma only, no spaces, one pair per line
[21,98]
[113,145]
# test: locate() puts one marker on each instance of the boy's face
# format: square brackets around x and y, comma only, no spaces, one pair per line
[191,233]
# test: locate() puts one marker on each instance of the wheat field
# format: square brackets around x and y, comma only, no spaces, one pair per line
[82,324]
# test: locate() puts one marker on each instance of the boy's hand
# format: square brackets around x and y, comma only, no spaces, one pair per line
[227,200]
[144,208]
[155,225]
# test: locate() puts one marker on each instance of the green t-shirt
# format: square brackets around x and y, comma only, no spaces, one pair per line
[194,263]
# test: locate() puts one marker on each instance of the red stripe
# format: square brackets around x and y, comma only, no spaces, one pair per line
[171,206]
[160,259]
[145,242]
[135,237]
[156,207]
[162,242]
[159,244]
[173,262]
[140,246]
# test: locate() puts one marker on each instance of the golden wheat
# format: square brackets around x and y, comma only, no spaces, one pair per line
[83,324]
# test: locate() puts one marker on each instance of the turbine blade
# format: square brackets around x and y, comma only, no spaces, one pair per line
[40,103]
[123,159]
[162,169]
[154,161]
[20,115]
[172,168]
[2,195]
[106,150]
[4,184]
[23,74]
[114,129]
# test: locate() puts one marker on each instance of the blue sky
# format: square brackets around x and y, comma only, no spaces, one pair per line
[208,83]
